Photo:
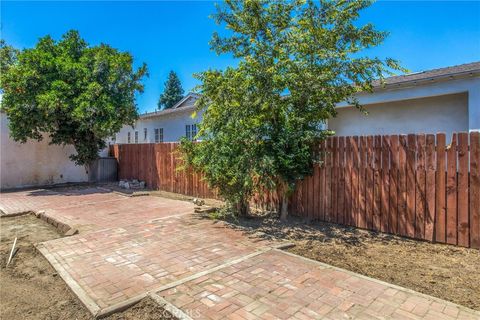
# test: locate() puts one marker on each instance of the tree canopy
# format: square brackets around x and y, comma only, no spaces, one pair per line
[264,118]
[75,93]
[172,93]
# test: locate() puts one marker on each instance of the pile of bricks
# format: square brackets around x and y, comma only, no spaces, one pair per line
[131,184]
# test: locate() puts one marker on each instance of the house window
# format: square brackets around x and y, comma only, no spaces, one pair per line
[194,131]
[136,136]
[129,137]
[158,135]
[191,131]
[144,134]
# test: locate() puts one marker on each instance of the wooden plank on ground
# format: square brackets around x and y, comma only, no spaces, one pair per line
[430,187]
[452,191]
[475,190]
[463,228]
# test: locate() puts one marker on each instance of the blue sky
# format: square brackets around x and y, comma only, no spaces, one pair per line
[175,35]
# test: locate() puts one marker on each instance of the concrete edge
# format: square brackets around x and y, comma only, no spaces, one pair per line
[71,283]
[120,306]
[15,214]
[211,270]
[174,311]
[390,285]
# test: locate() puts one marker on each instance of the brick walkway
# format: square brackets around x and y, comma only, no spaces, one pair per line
[129,247]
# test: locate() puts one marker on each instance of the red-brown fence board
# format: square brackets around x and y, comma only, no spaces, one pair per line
[410,185]
[475,190]
[452,191]
[420,188]
[440,191]
[429,187]
[462,191]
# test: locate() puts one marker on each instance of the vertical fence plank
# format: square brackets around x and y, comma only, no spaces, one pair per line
[440,191]
[385,183]
[316,188]
[393,211]
[341,181]
[362,223]
[475,190]
[420,188]
[355,175]
[369,179]
[335,170]
[430,187]
[328,180]
[462,191]
[348,181]
[452,191]
[410,226]
[377,213]
[323,191]
[402,185]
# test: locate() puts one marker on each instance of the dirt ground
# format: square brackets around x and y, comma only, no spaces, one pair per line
[31,289]
[442,271]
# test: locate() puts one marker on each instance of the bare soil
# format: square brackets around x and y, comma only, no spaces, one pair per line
[31,289]
[444,271]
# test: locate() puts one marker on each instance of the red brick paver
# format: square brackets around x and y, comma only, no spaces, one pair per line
[130,246]
[278,285]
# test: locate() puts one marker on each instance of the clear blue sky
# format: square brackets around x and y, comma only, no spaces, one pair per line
[175,35]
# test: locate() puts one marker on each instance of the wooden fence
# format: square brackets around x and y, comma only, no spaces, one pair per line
[409,185]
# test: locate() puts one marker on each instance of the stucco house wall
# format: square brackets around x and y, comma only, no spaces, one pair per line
[35,163]
[447,113]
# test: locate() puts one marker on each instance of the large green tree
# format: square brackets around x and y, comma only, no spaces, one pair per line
[75,93]
[172,93]
[263,118]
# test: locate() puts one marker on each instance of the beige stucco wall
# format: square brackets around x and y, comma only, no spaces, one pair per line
[447,113]
[35,163]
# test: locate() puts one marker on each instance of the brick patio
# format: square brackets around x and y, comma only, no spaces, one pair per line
[128,247]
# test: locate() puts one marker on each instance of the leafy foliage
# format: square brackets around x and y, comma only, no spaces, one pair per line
[263,118]
[172,93]
[76,93]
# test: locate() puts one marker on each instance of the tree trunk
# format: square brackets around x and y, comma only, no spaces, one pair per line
[243,208]
[284,193]
[284,208]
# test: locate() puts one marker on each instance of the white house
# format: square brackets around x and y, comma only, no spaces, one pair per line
[167,125]
[440,100]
